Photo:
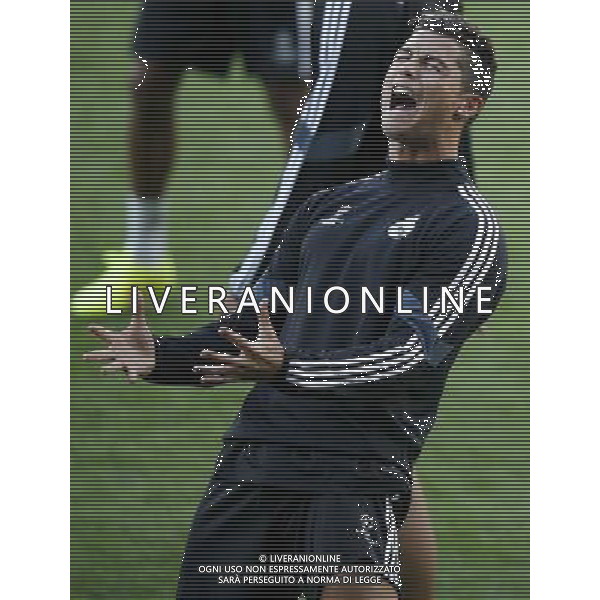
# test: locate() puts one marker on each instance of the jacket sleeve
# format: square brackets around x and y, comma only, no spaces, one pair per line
[177,355]
[458,249]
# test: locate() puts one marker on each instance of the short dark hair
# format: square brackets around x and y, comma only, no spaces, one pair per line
[482,66]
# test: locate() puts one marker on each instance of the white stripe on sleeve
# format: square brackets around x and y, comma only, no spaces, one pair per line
[324,374]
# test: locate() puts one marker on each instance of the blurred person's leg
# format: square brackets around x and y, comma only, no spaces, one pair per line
[152,153]
[143,258]
[164,43]
[285,98]
[275,38]
[172,37]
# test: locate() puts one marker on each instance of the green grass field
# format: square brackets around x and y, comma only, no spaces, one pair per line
[141,455]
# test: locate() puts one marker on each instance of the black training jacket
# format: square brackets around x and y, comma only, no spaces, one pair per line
[361,381]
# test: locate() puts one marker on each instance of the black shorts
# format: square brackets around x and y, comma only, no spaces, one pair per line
[269,501]
[206,34]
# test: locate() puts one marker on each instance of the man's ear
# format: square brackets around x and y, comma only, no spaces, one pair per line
[469,108]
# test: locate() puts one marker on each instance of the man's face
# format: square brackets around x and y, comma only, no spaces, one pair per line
[424,88]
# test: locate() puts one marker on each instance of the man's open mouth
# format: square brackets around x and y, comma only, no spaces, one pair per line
[402,98]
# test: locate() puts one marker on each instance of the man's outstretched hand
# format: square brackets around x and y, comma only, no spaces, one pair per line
[258,359]
[130,350]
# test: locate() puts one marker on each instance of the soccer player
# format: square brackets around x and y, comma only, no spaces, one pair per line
[320,457]
[173,37]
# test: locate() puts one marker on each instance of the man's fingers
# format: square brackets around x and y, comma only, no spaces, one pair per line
[221,357]
[99,355]
[117,367]
[213,380]
[100,331]
[266,331]
[231,304]
[131,377]
[238,340]
[113,367]
[215,369]
[218,356]
[250,349]
[264,318]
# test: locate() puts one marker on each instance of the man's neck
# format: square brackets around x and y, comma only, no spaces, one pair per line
[421,151]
